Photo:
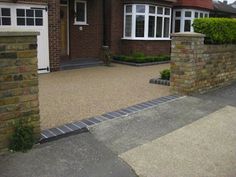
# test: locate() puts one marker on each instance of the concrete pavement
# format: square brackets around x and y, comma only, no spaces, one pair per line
[205,148]
[75,156]
[191,135]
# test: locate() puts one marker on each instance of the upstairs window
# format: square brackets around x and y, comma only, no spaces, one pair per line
[183,19]
[80,12]
[146,22]
[5,16]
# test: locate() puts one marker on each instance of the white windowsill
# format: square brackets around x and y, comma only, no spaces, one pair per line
[146,39]
[81,24]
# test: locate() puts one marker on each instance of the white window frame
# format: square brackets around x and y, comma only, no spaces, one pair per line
[85,13]
[146,15]
[182,18]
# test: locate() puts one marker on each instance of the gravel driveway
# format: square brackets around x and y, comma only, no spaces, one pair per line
[71,95]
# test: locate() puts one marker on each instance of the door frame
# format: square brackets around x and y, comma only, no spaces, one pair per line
[68,27]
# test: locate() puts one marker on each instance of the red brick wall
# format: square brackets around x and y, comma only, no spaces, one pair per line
[115,29]
[129,47]
[54,34]
[206,4]
[87,43]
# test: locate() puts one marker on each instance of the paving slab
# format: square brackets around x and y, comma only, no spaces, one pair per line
[75,156]
[204,148]
[123,134]
[225,95]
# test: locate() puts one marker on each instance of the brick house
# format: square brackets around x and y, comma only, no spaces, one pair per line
[77,29]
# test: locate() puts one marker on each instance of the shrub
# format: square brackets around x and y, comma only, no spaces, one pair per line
[141,58]
[165,74]
[22,138]
[217,30]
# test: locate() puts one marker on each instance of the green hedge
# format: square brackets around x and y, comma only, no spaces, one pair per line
[217,30]
[141,58]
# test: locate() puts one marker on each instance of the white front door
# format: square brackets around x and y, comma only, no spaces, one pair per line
[25,17]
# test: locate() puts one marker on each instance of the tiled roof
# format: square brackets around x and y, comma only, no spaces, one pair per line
[222,7]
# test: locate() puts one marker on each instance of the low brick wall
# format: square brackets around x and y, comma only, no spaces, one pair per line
[129,47]
[197,68]
[18,83]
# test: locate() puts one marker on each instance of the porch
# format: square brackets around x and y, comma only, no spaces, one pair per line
[73,95]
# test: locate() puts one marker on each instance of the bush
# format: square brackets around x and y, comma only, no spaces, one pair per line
[217,30]
[22,138]
[165,74]
[141,58]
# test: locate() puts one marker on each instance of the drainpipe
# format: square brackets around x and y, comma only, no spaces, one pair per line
[104,24]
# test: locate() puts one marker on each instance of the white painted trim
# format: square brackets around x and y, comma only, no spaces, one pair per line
[182,18]
[146,15]
[85,15]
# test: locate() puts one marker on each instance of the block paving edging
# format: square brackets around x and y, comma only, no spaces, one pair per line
[84,125]
[159,81]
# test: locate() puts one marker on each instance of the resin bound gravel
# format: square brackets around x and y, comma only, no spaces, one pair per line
[73,95]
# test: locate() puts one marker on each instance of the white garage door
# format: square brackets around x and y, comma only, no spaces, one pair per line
[25,17]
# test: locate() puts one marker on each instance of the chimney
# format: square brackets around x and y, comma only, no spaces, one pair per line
[225,1]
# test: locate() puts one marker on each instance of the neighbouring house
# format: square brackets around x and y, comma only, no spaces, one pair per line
[77,29]
[223,9]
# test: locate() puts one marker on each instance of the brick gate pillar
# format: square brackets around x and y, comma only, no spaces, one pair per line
[186,48]
[18,83]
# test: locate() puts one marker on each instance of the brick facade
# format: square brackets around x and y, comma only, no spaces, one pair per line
[153,47]
[18,83]
[54,29]
[86,41]
[197,67]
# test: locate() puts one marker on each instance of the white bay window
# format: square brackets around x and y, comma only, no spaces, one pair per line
[183,19]
[146,22]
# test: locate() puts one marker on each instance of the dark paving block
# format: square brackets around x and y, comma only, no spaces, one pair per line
[87,122]
[94,120]
[47,133]
[80,124]
[108,116]
[56,131]
[72,127]
[64,129]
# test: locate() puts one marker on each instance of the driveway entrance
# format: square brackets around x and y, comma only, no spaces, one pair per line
[73,95]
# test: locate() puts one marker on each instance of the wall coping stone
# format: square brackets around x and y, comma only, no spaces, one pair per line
[15,34]
[188,34]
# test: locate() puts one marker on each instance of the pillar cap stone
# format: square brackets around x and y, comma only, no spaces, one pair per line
[188,34]
[21,33]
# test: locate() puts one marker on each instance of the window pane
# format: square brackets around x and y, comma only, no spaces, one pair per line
[178,14]
[80,12]
[29,13]
[152,9]
[128,9]
[151,26]
[187,25]
[20,21]
[6,21]
[201,15]
[128,25]
[20,12]
[30,22]
[188,14]
[6,12]
[167,11]
[159,27]
[196,14]
[38,21]
[38,13]
[177,26]
[140,8]
[139,26]
[159,10]
[206,15]
[166,27]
